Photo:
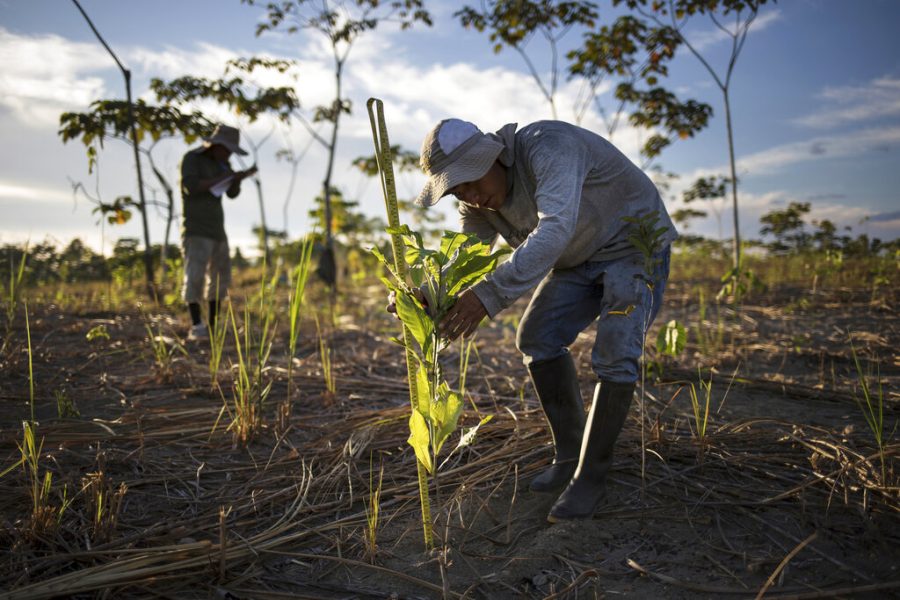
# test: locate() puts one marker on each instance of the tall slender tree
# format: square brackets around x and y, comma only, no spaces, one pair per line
[342,24]
[142,204]
[741,14]
[112,119]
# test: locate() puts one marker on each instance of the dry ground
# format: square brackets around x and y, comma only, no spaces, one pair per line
[785,496]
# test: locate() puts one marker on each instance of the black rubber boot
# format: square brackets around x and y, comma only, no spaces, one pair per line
[556,383]
[588,486]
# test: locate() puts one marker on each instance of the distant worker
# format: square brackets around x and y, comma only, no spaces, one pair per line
[206,174]
[559,195]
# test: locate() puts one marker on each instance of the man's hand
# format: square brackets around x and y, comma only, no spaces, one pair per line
[240,175]
[463,318]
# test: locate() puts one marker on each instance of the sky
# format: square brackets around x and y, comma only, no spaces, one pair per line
[815,101]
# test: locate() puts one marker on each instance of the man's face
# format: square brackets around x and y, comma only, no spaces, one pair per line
[219,152]
[488,192]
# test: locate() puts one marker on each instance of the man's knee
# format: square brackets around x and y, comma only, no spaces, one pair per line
[528,336]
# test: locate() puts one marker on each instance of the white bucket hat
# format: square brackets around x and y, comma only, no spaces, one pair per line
[226,136]
[454,152]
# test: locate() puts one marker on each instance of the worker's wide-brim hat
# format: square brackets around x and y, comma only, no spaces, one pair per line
[454,152]
[226,136]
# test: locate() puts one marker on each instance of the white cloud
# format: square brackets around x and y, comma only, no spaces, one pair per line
[418,97]
[850,104]
[43,75]
[13,191]
[202,60]
[835,146]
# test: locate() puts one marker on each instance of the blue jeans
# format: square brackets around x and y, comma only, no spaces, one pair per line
[568,300]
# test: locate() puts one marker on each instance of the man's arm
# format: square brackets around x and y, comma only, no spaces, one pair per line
[560,169]
[239,176]
[192,182]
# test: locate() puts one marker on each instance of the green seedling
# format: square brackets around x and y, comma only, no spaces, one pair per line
[872,407]
[647,237]
[13,293]
[245,417]
[737,283]
[671,341]
[103,505]
[438,277]
[44,516]
[373,510]
[298,278]
[65,406]
[217,333]
[30,363]
[700,405]
[250,383]
[97,332]
[325,360]
[709,343]
[163,350]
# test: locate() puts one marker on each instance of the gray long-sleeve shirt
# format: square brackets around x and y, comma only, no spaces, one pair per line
[568,189]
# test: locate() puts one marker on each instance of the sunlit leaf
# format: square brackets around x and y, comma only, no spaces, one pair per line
[671,339]
[423,391]
[415,319]
[445,414]
[419,439]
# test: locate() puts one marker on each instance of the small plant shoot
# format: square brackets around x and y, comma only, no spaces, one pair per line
[438,277]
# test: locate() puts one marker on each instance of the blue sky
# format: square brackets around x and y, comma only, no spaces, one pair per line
[815,95]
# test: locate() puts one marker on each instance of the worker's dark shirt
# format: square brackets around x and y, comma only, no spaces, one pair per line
[203,214]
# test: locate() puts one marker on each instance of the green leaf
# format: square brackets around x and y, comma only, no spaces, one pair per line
[671,339]
[420,440]
[423,392]
[415,319]
[445,414]
[451,241]
[469,272]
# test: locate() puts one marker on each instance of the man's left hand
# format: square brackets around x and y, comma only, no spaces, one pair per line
[246,173]
[463,318]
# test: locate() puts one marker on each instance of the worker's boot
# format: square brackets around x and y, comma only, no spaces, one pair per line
[556,383]
[588,486]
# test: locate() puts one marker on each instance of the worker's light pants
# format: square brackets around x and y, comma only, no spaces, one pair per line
[207,264]
[568,300]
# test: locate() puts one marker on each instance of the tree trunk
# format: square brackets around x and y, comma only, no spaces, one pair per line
[327,268]
[736,249]
[170,216]
[264,229]
[142,204]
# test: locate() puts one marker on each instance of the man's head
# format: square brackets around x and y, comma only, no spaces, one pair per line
[459,159]
[223,141]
